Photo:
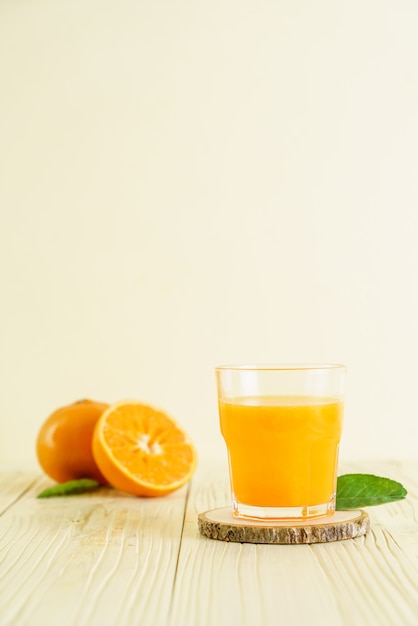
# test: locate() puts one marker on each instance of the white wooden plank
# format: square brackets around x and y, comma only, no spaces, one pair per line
[400,519]
[107,558]
[102,558]
[13,484]
[231,583]
[368,581]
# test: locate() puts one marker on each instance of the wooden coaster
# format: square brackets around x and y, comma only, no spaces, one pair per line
[222,525]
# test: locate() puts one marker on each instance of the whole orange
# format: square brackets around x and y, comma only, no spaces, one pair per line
[64,442]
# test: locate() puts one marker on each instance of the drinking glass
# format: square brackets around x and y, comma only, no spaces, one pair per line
[282,426]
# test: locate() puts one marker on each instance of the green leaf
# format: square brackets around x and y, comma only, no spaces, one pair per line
[70,488]
[357,490]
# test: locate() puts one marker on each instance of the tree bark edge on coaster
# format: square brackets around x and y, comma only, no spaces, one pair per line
[220,524]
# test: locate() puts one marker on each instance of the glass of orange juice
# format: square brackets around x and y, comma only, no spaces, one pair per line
[282,426]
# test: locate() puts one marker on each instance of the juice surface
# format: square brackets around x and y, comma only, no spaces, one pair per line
[283,450]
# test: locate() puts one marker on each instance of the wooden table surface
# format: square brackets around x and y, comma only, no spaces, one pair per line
[106,558]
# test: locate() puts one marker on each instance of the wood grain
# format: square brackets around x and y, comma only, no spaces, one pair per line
[111,559]
[370,581]
[13,485]
[220,524]
[103,559]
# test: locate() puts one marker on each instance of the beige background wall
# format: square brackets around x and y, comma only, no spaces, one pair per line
[187,183]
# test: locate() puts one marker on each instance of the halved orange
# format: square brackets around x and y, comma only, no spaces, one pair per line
[141,450]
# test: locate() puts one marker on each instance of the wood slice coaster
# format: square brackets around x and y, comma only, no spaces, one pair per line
[222,525]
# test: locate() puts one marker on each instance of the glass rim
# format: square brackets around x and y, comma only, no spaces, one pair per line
[282,367]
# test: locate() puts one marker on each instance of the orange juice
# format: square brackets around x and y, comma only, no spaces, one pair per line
[283,450]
